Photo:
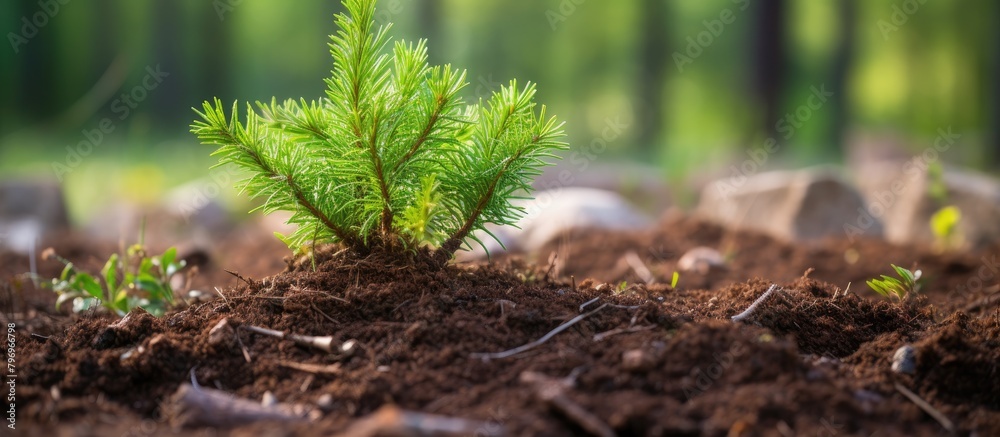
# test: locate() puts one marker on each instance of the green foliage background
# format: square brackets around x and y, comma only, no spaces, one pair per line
[592,65]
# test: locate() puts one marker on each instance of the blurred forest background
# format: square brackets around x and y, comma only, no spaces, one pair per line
[691,85]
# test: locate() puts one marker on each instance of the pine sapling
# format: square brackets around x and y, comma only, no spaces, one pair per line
[391,158]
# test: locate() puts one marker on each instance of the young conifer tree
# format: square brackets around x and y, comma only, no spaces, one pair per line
[392,158]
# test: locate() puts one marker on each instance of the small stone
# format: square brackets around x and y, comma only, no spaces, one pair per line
[268,400]
[905,360]
[701,260]
[222,334]
[637,360]
[325,402]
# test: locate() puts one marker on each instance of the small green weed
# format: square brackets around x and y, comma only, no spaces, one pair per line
[890,287]
[127,281]
[944,225]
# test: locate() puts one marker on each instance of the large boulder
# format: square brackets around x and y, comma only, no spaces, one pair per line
[29,210]
[801,205]
[553,212]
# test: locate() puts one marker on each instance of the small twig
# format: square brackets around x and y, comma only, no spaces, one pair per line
[391,421]
[552,264]
[602,335]
[324,343]
[639,267]
[240,277]
[39,336]
[928,408]
[573,280]
[753,307]
[587,303]
[331,369]
[246,353]
[509,353]
[327,316]
[553,392]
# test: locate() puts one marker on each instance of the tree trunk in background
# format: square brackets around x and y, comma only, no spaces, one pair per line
[214,58]
[168,96]
[842,57]
[36,98]
[769,60]
[993,71]
[653,61]
[429,27]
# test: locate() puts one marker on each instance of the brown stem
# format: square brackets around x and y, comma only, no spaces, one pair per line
[423,135]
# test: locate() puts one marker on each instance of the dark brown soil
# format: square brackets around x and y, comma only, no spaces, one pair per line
[810,361]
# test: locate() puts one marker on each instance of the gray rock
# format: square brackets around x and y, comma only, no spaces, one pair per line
[799,205]
[553,212]
[29,210]
[899,194]
[905,360]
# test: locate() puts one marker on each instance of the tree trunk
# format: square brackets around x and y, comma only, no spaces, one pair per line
[842,57]
[769,60]
[653,62]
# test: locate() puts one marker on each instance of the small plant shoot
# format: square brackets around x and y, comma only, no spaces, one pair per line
[127,281]
[391,159]
[944,225]
[899,289]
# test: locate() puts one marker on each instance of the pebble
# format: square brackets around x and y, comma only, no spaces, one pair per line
[905,360]
[700,259]
[637,360]
[221,334]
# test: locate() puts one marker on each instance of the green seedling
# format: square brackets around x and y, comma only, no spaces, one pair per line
[673,280]
[391,159]
[127,281]
[944,225]
[899,289]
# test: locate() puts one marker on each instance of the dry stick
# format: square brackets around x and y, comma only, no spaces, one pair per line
[485,356]
[324,343]
[390,420]
[639,267]
[246,353]
[753,307]
[240,277]
[606,334]
[928,408]
[553,392]
[587,303]
[331,369]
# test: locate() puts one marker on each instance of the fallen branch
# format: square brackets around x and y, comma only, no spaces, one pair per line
[324,343]
[928,408]
[486,356]
[390,421]
[196,406]
[553,392]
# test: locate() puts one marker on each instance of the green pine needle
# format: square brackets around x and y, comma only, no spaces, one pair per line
[391,156]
